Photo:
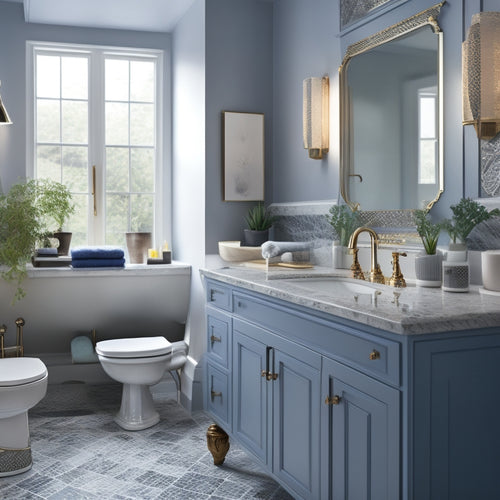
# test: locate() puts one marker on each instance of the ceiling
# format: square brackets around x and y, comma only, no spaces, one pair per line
[142,15]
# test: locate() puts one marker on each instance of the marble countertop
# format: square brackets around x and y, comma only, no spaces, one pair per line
[406,311]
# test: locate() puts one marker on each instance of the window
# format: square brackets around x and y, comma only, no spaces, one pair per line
[427,153]
[96,128]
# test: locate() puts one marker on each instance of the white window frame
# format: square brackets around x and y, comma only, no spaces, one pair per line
[96,140]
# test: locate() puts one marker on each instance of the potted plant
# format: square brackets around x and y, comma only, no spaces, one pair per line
[26,213]
[258,220]
[466,215]
[56,203]
[343,221]
[428,265]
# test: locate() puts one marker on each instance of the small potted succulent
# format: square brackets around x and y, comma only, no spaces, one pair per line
[344,222]
[428,265]
[259,221]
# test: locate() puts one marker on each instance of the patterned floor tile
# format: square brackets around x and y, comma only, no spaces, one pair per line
[79,452]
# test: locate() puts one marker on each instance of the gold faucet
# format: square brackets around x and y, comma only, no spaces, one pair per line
[397,279]
[376,275]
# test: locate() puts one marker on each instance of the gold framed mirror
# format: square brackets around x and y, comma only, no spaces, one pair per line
[391,118]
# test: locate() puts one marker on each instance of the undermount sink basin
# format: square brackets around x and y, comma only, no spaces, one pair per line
[336,285]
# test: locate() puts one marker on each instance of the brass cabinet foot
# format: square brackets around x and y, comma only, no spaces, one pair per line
[217,443]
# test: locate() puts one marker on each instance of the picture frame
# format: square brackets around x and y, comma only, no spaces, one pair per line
[243,156]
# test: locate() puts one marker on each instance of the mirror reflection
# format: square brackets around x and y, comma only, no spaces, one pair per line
[392,156]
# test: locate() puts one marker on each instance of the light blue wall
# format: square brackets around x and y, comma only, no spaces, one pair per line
[14,33]
[307,43]
[239,77]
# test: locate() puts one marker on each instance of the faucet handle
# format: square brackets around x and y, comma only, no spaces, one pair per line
[397,279]
[356,271]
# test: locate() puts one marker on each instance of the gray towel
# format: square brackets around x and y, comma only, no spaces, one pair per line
[274,248]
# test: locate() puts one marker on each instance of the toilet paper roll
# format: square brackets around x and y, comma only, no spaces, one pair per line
[490,269]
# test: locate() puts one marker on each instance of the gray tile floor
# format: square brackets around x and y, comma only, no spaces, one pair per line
[79,452]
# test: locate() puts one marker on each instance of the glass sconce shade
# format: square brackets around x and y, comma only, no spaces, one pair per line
[481,74]
[316,116]
[4,116]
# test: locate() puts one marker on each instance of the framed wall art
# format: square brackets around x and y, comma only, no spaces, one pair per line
[243,156]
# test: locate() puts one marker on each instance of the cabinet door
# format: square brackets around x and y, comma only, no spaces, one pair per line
[250,424]
[456,419]
[360,443]
[296,420]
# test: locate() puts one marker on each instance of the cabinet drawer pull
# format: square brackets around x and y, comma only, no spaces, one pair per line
[214,394]
[268,375]
[213,339]
[374,355]
[333,401]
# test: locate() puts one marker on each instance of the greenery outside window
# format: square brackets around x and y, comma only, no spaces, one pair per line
[96,125]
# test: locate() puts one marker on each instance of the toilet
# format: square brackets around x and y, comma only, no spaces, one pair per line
[139,363]
[23,384]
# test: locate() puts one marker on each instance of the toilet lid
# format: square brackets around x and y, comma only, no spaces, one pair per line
[18,371]
[134,348]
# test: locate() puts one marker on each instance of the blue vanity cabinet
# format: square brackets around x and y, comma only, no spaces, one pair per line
[276,405]
[360,436]
[457,418]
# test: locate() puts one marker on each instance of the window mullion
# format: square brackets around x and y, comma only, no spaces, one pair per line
[96,147]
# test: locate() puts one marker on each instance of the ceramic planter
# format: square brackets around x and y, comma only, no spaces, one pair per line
[64,242]
[137,246]
[341,259]
[428,270]
[255,238]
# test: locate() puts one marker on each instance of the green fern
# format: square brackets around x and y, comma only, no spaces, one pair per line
[344,221]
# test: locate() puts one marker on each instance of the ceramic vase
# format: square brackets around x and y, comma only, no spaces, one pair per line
[64,239]
[340,256]
[137,246]
[428,270]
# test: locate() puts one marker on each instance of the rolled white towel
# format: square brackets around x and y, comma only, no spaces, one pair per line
[275,248]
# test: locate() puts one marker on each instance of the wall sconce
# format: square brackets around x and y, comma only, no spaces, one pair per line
[316,116]
[481,75]
[4,116]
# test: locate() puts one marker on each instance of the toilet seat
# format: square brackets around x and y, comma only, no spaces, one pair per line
[140,347]
[20,371]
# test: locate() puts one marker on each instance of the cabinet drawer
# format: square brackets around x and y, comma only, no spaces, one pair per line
[218,295]
[218,338]
[218,394]
[369,353]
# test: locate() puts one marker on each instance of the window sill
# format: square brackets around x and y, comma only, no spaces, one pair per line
[176,268]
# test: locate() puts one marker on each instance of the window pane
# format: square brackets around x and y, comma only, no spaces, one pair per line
[75,122]
[427,117]
[78,222]
[117,211]
[48,76]
[141,212]
[48,124]
[117,80]
[142,75]
[116,123]
[427,162]
[48,162]
[117,169]
[74,78]
[75,168]
[142,170]
[142,124]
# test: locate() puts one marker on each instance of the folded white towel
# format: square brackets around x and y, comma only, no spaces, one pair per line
[275,248]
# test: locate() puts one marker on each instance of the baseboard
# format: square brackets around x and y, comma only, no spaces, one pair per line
[191,385]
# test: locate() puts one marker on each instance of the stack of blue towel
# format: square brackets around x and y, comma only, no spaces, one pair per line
[98,257]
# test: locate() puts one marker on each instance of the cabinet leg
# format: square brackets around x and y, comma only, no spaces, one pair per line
[217,443]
